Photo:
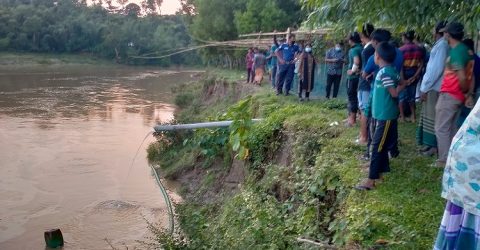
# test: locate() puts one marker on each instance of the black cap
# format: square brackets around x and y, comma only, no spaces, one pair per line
[454,28]
[440,26]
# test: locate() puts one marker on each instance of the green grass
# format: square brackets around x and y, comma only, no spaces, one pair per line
[309,193]
[230,75]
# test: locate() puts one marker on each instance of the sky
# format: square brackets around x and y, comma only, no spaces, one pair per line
[169,7]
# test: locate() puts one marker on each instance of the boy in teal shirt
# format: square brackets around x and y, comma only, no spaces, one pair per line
[385,112]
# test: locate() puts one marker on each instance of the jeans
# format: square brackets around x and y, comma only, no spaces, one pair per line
[285,77]
[363,99]
[408,94]
[446,116]
[274,75]
[335,81]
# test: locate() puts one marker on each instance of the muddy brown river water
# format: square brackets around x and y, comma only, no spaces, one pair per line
[68,135]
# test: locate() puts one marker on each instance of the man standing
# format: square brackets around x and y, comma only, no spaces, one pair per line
[249,62]
[364,84]
[259,63]
[429,91]
[411,72]
[286,64]
[273,61]
[354,67]
[454,91]
[334,59]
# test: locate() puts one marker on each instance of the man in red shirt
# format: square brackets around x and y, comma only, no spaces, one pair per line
[457,87]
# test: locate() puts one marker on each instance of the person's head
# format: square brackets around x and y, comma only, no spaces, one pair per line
[308,47]
[250,50]
[385,54]
[291,39]
[407,37]
[394,43]
[354,38]
[438,31]
[339,45]
[454,32]
[367,30]
[255,50]
[470,44]
[380,35]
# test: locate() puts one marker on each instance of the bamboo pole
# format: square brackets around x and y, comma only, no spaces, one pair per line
[159,128]
[316,31]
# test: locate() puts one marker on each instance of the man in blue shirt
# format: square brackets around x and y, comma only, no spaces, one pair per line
[286,64]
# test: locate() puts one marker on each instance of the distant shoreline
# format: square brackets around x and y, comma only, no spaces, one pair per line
[29,59]
[47,59]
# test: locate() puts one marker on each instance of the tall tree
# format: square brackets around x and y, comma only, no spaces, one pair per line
[132,10]
[151,7]
[267,16]
[214,19]
[396,14]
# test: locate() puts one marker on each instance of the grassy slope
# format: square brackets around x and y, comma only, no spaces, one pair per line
[310,194]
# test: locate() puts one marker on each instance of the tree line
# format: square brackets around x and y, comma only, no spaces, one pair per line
[69,26]
[121,30]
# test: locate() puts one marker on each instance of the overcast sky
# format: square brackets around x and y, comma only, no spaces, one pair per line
[168,6]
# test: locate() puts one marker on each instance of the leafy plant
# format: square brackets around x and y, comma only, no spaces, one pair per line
[242,122]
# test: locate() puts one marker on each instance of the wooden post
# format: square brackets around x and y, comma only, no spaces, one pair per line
[53,238]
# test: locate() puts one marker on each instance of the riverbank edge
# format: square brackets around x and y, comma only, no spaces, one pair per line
[297,181]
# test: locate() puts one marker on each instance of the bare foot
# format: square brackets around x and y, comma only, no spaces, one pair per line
[366,185]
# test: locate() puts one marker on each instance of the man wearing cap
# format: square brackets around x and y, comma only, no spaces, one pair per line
[454,91]
[286,64]
[429,91]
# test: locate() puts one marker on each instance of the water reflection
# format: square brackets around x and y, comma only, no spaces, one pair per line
[67,138]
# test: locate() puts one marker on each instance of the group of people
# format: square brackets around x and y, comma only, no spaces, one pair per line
[284,61]
[384,83]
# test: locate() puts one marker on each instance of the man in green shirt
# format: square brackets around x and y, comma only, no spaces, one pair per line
[385,112]
[354,68]
[456,89]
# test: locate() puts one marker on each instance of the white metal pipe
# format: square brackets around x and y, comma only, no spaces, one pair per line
[159,128]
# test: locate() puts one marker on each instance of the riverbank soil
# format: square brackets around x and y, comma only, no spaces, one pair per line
[294,188]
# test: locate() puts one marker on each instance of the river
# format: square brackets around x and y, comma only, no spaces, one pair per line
[68,135]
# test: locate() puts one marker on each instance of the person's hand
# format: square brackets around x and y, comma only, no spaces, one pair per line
[470,102]
[423,97]
[410,81]
[349,72]
[281,61]
[369,77]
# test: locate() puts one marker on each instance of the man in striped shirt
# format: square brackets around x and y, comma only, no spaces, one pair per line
[413,57]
